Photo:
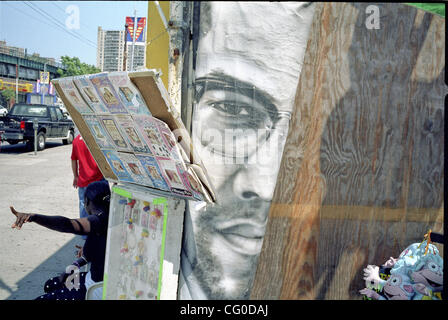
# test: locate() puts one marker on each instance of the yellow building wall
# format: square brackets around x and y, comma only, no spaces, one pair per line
[157,48]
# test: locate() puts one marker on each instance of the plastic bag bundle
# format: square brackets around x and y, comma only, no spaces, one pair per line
[417,274]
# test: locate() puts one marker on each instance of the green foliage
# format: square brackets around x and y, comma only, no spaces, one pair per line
[437,8]
[8,94]
[75,67]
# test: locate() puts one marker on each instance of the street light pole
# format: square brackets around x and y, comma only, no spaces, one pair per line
[133,40]
[17,81]
[42,85]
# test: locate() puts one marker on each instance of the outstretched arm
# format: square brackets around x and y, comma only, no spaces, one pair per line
[57,223]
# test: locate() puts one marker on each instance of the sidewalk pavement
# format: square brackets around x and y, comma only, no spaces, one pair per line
[39,183]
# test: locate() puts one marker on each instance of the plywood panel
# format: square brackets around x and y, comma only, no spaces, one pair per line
[362,171]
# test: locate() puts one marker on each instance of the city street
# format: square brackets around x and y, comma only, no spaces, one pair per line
[39,183]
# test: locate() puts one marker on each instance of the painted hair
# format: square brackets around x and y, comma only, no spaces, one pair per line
[99,193]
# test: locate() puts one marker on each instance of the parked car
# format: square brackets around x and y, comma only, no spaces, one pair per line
[3,111]
[64,111]
[51,124]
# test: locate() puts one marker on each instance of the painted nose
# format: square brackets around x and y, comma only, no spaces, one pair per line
[256,181]
[248,186]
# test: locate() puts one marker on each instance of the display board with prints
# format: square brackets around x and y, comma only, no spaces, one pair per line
[131,145]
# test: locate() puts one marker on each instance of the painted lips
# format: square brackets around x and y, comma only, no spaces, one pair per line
[244,237]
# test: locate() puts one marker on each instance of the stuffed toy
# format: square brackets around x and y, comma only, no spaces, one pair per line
[416,274]
[398,287]
[429,273]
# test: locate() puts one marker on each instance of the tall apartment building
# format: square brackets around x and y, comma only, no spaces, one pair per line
[110,51]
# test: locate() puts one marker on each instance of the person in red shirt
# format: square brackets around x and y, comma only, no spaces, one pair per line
[85,170]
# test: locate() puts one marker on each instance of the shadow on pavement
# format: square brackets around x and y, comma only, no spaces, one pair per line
[5,147]
[31,286]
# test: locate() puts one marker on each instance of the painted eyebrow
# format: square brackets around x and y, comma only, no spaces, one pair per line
[224,82]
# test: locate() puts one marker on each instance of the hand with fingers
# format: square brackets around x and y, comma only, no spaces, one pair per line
[79,251]
[21,218]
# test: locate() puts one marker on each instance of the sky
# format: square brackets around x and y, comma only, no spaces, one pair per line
[51,28]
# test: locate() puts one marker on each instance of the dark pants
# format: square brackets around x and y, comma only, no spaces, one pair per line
[55,289]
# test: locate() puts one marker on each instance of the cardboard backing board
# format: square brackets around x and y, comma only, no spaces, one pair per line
[96,126]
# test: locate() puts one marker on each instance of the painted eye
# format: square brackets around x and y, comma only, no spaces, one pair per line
[432,266]
[395,281]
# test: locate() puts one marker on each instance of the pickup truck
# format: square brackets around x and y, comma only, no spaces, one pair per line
[18,125]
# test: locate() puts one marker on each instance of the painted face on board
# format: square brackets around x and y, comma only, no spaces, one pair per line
[398,287]
[430,274]
[247,71]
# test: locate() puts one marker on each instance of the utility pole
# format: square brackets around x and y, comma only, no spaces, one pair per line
[17,81]
[44,84]
[133,40]
[180,73]
[125,56]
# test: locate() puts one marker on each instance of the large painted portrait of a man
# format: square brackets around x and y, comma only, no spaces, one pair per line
[248,63]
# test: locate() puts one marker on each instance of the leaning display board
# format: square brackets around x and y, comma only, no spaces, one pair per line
[143,245]
[140,144]
[134,133]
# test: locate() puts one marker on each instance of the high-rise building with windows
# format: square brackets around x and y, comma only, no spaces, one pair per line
[110,51]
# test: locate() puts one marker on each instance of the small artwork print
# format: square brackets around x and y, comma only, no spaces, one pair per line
[108,96]
[191,180]
[98,132]
[126,93]
[113,131]
[170,171]
[136,213]
[149,130]
[127,213]
[72,94]
[107,93]
[135,169]
[117,166]
[173,177]
[88,92]
[170,142]
[129,94]
[145,220]
[193,183]
[152,169]
[131,134]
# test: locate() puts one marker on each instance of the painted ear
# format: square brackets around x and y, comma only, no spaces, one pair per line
[408,288]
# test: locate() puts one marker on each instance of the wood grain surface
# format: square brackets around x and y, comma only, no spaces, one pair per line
[361,176]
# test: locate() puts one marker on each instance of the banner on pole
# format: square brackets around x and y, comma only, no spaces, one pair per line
[139,34]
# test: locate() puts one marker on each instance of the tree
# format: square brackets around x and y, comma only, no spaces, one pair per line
[8,94]
[74,67]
